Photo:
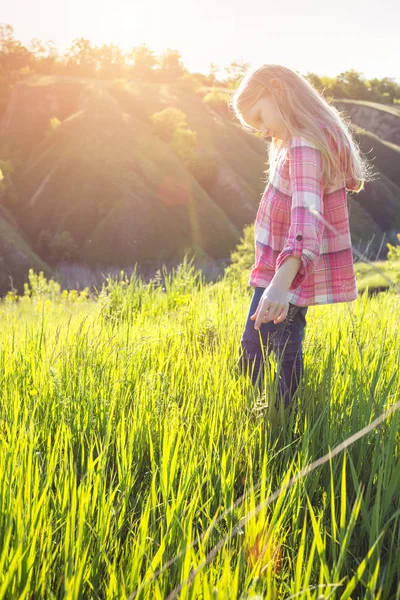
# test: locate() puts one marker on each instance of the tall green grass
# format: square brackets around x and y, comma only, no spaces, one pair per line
[127,434]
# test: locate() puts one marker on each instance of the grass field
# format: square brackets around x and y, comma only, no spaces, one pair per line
[128,440]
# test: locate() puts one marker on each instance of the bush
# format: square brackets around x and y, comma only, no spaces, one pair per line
[218,101]
[59,246]
[44,292]
[189,82]
[393,259]
[183,142]
[394,251]
[6,169]
[167,121]
[39,286]
[54,125]
[242,258]
[171,126]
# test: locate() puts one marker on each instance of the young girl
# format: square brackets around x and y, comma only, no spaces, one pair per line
[303,252]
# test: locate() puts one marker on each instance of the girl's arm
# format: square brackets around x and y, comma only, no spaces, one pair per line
[284,277]
[306,229]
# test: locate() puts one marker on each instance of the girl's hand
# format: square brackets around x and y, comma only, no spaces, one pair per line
[273,306]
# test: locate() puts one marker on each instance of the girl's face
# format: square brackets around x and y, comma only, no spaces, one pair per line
[265,117]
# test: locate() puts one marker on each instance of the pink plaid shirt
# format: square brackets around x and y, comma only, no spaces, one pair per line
[285,227]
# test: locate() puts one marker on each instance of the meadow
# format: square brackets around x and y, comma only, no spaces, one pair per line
[136,462]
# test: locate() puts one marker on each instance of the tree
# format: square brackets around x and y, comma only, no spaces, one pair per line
[16,62]
[353,84]
[315,81]
[384,90]
[212,76]
[46,55]
[171,65]
[144,61]
[81,58]
[110,61]
[235,71]
[13,55]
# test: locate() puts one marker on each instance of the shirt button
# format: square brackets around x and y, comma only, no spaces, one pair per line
[299,237]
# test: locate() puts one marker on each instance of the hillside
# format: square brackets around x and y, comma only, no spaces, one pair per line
[16,255]
[92,166]
[383,121]
[378,133]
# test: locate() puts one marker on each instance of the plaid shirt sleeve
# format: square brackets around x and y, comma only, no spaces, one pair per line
[306,229]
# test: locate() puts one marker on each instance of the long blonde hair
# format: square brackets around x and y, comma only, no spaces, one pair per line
[306,113]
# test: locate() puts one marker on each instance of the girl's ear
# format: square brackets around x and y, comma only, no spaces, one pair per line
[277,86]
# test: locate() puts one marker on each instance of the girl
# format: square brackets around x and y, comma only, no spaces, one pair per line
[303,252]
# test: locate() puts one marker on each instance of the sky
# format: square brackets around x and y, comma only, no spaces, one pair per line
[305,35]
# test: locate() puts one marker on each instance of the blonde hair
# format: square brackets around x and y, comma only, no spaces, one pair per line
[306,113]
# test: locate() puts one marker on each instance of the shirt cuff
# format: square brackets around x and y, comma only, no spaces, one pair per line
[306,267]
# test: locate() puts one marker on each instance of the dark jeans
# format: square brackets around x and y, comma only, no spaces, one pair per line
[284,339]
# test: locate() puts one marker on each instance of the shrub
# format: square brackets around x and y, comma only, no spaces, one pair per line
[58,246]
[189,82]
[183,142]
[167,121]
[43,292]
[6,168]
[393,259]
[39,286]
[171,126]
[394,251]
[54,125]
[242,258]
[218,101]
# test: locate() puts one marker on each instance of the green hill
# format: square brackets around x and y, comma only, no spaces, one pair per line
[92,166]
[16,255]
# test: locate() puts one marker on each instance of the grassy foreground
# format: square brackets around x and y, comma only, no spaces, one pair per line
[126,435]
